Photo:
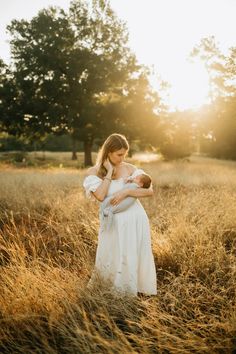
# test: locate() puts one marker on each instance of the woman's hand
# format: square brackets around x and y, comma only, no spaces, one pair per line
[128,180]
[107,164]
[118,197]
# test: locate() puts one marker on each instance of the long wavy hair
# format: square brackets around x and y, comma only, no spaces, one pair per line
[113,143]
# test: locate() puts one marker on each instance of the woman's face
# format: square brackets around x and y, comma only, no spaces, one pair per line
[117,157]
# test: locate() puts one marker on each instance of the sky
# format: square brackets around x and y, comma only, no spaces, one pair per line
[162,34]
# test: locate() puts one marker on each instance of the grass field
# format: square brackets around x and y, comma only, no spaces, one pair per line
[48,240]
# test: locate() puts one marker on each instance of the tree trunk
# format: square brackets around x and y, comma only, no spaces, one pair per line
[88,153]
[74,149]
[43,154]
[35,149]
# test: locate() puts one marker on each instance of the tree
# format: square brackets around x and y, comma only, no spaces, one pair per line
[11,114]
[218,127]
[178,141]
[65,63]
[133,111]
[208,51]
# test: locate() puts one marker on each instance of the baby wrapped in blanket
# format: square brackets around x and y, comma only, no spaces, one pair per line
[107,210]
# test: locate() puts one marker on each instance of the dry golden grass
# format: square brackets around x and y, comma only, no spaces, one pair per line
[48,241]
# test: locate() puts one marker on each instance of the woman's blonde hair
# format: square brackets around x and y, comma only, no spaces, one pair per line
[113,143]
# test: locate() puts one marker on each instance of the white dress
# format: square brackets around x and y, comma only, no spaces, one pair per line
[124,254]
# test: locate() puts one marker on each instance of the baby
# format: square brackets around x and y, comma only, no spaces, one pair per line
[143,180]
[107,210]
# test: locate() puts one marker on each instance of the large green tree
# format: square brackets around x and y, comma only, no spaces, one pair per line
[7,95]
[65,63]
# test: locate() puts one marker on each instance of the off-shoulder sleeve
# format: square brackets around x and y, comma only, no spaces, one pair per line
[137,172]
[90,184]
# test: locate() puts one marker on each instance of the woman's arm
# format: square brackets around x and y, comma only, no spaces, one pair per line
[139,192]
[102,190]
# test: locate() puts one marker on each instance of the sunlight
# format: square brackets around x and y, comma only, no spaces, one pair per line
[146,157]
[162,33]
[190,86]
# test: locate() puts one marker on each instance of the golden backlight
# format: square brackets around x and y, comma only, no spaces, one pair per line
[190,86]
[163,33]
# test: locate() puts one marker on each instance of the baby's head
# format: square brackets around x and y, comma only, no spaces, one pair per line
[143,180]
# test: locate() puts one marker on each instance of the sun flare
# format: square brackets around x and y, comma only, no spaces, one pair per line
[190,86]
[162,33]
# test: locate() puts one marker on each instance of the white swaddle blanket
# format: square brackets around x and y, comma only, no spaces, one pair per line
[107,210]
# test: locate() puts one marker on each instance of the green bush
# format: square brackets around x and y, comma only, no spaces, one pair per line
[172,149]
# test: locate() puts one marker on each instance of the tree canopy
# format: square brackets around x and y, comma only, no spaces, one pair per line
[67,65]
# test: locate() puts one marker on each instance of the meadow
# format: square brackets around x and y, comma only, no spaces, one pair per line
[48,239]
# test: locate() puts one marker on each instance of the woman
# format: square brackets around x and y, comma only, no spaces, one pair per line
[124,253]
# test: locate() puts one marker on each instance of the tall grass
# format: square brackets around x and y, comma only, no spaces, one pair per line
[48,241]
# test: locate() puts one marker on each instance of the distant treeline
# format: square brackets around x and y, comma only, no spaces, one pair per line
[51,143]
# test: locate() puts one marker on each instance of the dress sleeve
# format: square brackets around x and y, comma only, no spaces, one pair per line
[90,184]
[137,172]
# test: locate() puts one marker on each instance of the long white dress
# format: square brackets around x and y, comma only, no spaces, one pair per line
[124,254]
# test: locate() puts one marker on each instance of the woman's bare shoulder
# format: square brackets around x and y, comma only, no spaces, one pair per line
[91,171]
